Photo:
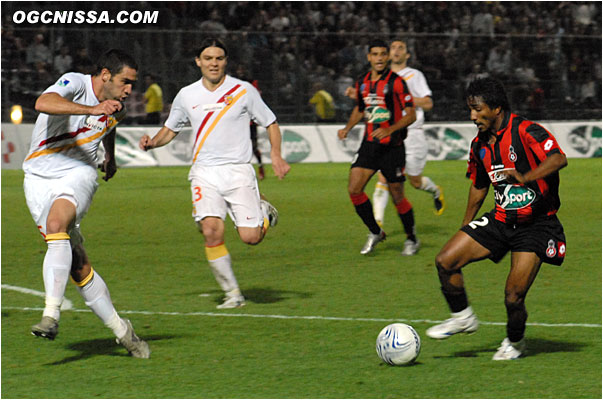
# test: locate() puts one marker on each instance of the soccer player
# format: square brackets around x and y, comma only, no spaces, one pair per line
[76,114]
[219,108]
[521,160]
[386,105]
[415,143]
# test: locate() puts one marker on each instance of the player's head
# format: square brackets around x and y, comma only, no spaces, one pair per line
[212,59]
[118,71]
[398,51]
[378,55]
[487,100]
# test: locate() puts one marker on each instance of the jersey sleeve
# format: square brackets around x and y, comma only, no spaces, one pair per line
[403,94]
[69,86]
[475,168]
[359,98]
[541,141]
[178,116]
[257,109]
[418,85]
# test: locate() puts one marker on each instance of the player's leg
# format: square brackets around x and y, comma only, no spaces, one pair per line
[56,265]
[407,217]
[524,268]
[357,182]
[95,293]
[459,251]
[380,198]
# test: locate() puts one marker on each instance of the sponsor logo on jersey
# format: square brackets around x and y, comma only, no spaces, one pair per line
[63,82]
[92,122]
[214,107]
[376,115]
[513,197]
[498,174]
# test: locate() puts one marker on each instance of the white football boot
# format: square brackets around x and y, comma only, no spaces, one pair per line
[411,248]
[270,211]
[47,328]
[232,302]
[462,322]
[372,241]
[509,350]
[137,347]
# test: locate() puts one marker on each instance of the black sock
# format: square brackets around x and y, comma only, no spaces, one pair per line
[457,300]
[408,221]
[365,211]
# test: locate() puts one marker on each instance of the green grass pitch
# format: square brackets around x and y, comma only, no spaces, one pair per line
[315,305]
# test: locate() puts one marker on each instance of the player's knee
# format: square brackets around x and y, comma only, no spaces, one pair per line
[444,262]
[251,237]
[54,225]
[514,300]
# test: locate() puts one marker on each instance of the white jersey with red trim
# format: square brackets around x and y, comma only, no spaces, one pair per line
[220,120]
[60,143]
[417,85]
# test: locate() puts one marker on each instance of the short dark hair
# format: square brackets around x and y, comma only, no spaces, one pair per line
[211,42]
[377,43]
[490,90]
[115,60]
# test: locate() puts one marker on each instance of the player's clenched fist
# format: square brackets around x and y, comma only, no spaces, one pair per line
[107,107]
[145,143]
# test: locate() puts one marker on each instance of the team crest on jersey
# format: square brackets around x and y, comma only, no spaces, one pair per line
[228,100]
[512,154]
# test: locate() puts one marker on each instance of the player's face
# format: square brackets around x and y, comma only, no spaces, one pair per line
[398,52]
[212,62]
[378,58]
[119,86]
[482,115]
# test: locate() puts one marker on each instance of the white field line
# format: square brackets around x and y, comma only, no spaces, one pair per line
[68,305]
[305,317]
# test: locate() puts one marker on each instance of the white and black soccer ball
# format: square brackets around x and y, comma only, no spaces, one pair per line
[398,344]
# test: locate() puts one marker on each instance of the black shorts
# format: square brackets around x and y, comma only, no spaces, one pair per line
[390,160]
[544,236]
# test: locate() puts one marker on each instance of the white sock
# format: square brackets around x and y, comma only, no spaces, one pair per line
[96,295]
[55,270]
[428,186]
[222,270]
[380,199]
[466,313]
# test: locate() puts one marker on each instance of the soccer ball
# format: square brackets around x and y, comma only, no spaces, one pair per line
[398,344]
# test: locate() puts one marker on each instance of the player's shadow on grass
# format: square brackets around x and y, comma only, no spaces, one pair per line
[101,347]
[267,295]
[534,346]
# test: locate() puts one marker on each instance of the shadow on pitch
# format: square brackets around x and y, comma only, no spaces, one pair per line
[534,346]
[101,347]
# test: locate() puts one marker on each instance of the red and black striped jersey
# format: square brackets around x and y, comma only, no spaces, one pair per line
[383,102]
[521,145]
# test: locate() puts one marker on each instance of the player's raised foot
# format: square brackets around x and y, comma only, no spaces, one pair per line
[411,247]
[270,211]
[47,328]
[137,347]
[509,350]
[438,201]
[236,301]
[372,241]
[452,326]
[261,173]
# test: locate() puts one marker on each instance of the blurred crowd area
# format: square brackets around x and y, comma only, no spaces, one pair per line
[548,54]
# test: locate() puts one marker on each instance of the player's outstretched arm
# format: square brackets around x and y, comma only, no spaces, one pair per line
[163,137]
[279,165]
[55,104]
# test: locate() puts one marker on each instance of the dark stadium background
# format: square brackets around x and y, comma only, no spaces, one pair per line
[288,46]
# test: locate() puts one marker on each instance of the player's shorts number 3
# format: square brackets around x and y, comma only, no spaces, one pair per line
[197,193]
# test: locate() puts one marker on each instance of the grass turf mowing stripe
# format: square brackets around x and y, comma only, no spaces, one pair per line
[310,317]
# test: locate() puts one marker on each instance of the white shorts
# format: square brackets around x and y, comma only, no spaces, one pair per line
[416,152]
[221,189]
[77,187]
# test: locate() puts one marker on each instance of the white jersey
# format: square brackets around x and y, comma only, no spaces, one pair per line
[60,143]
[417,85]
[220,120]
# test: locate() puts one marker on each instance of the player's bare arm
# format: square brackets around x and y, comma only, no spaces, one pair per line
[355,117]
[426,103]
[550,165]
[55,104]
[109,166]
[163,137]
[474,203]
[279,165]
[409,117]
